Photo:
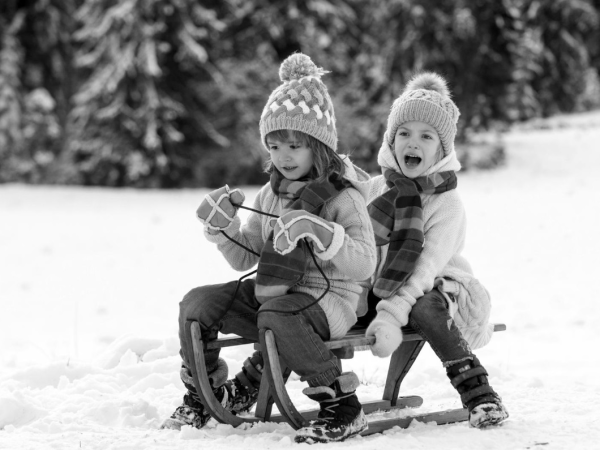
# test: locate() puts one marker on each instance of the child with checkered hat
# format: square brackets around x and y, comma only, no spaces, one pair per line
[322,228]
[422,280]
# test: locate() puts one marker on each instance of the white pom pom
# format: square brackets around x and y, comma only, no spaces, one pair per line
[298,66]
[429,81]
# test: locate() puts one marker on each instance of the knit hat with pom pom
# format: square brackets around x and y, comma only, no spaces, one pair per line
[426,99]
[301,103]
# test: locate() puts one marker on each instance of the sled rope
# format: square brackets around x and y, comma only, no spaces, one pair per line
[295,311]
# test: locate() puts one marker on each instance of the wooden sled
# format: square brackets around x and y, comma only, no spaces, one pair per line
[275,374]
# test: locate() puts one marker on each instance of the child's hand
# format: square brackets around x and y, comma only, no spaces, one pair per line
[295,225]
[219,208]
[388,336]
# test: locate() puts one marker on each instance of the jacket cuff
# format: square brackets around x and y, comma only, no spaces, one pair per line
[394,312]
[385,316]
[336,243]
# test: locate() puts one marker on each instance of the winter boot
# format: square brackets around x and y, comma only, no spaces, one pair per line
[341,414]
[484,405]
[242,390]
[191,411]
[237,395]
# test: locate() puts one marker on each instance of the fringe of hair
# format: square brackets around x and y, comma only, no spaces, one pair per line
[326,162]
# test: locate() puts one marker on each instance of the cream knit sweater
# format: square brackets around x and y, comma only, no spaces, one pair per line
[349,259]
[440,264]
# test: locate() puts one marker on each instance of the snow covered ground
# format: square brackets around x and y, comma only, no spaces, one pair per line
[90,281]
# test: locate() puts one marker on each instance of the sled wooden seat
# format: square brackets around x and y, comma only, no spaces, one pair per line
[272,388]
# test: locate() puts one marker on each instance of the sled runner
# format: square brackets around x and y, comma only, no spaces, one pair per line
[275,374]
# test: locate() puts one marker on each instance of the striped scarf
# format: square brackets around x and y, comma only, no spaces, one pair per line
[397,218]
[277,273]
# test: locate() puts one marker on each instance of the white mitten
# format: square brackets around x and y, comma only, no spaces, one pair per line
[388,336]
[297,224]
[219,208]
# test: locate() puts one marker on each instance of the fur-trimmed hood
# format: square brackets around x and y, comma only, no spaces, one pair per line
[360,179]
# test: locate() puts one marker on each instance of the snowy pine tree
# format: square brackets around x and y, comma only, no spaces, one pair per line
[11,138]
[35,82]
[169,92]
[139,115]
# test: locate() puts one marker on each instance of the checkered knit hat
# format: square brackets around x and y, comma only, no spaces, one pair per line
[426,99]
[301,103]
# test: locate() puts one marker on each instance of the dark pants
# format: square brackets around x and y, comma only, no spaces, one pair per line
[430,318]
[299,336]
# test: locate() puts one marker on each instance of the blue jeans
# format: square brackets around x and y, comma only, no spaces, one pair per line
[430,318]
[299,335]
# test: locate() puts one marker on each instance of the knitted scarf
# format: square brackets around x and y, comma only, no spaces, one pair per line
[397,218]
[277,273]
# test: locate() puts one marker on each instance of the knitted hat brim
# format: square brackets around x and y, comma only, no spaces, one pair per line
[298,123]
[422,110]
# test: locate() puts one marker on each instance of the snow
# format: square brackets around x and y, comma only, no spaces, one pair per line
[90,281]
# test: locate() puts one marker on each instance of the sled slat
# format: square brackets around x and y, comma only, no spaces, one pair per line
[411,401]
[354,336]
[439,417]
[228,341]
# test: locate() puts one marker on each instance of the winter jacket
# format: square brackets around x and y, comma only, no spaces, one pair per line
[349,259]
[440,264]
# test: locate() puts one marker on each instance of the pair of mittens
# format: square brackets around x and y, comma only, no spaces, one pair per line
[219,208]
[297,224]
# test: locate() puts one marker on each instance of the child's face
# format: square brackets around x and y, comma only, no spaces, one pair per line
[417,147]
[291,157]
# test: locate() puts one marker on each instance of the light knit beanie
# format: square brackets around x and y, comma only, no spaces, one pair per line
[301,103]
[426,98]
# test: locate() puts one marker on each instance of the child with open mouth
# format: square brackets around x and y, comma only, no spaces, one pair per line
[422,280]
